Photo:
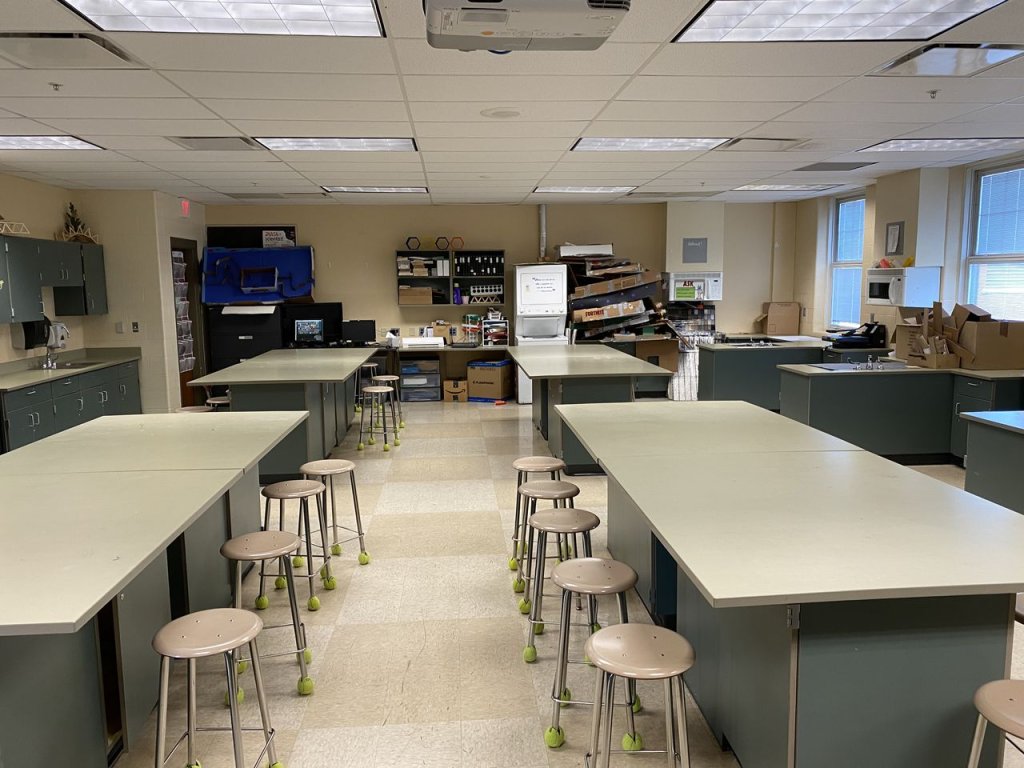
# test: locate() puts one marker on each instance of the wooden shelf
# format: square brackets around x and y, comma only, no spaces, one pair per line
[446,283]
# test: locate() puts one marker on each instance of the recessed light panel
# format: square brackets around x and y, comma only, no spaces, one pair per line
[337,145]
[785,187]
[583,190]
[646,145]
[379,190]
[944,145]
[950,60]
[44,142]
[332,18]
[795,20]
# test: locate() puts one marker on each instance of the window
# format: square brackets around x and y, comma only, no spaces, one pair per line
[845,266]
[995,258]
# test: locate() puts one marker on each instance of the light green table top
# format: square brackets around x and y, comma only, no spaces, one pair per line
[910,370]
[672,428]
[582,361]
[166,441]
[30,374]
[291,366]
[790,527]
[1011,421]
[70,543]
[772,345]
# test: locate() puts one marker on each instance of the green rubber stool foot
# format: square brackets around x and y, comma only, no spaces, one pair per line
[524,606]
[513,564]
[637,706]
[335,549]
[372,441]
[262,603]
[330,583]
[378,425]
[538,629]
[323,572]
[280,582]
[364,558]
[241,667]
[359,409]
[386,447]
[314,603]
[632,742]
[239,697]
[518,586]
[554,737]
[307,656]
[278,764]
[401,425]
[529,654]
[566,697]
[298,562]
[360,447]
[196,764]
[595,627]
[397,442]
[305,686]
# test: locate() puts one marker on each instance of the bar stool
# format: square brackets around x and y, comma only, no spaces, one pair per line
[524,467]
[301,490]
[268,545]
[593,577]
[388,379]
[639,652]
[563,523]
[217,402]
[195,409]
[561,494]
[198,635]
[325,470]
[381,398]
[366,373]
[1001,703]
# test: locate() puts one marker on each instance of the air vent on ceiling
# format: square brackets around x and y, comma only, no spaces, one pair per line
[673,195]
[833,166]
[216,143]
[622,5]
[761,145]
[63,50]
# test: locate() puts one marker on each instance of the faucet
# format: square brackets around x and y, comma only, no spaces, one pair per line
[50,363]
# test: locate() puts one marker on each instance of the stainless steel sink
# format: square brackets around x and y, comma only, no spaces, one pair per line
[860,366]
[755,344]
[77,364]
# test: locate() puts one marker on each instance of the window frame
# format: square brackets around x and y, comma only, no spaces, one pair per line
[833,253]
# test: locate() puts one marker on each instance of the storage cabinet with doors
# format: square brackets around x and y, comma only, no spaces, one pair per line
[238,337]
[976,394]
[60,263]
[88,296]
[19,276]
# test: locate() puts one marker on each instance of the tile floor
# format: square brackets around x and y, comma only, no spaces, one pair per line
[417,656]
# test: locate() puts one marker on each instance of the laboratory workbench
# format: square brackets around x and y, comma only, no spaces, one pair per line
[588,373]
[821,588]
[995,456]
[28,372]
[320,381]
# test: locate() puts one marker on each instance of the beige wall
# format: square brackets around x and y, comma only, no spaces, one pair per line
[811,258]
[784,252]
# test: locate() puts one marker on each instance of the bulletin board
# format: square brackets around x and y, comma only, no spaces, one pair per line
[257,275]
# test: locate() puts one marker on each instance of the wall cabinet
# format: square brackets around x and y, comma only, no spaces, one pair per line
[19,271]
[89,295]
[60,263]
[75,270]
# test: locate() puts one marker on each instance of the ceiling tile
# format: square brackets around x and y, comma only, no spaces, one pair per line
[1002,24]
[503,88]
[33,15]
[134,142]
[704,111]
[849,112]
[351,159]
[1003,113]
[470,175]
[833,130]
[493,129]
[61,107]
[530,111]
[402,18]
[89,83]
[950,90]
[127,127]
[416,57]
[655,21]
[968,130]
[729,89]
[499,169]
[433,158]
[519,145]
[15,126]
[303,110]
[314,128]
[777,59]
[271,86]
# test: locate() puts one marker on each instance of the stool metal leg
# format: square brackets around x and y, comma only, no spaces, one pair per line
[192,716]
[609,710]
[364,556]
[305,682]
[335,545]
[325,571]
[261,698]
[670,726]
[555,736]
[595,721]
[161,716]
[314,601]
[682,741]
[534,625]
[513,562]
[236,727]
[359,408]
[976,744]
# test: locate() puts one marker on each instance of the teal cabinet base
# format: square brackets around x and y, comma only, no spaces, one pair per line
[302,444]
[994,460]
[748,374]
[564,444]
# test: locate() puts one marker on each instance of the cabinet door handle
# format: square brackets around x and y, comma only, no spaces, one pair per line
[32,392]
[973,384]
[81,404]
[245,338]
[124,389]
[956,409]
[35,419]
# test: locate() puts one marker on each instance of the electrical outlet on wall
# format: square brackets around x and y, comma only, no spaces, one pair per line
[135,326]
[803,311]
[119,327]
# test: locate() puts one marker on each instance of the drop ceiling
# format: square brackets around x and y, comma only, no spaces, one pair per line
[491,129]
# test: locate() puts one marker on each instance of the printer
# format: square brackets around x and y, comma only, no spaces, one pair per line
[868,336]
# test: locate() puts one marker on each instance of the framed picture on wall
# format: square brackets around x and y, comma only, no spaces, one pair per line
[894,239]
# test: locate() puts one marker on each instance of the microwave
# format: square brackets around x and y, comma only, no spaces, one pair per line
[905,287]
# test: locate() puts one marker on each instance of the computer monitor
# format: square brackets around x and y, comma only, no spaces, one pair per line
[309,331]
[359,331]
[328,312]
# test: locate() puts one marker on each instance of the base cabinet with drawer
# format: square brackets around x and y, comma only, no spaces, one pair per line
[975,394]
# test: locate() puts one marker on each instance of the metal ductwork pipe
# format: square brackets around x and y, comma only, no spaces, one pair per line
[543,210]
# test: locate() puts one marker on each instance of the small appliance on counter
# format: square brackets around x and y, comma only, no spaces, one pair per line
[30,335]
[868,336]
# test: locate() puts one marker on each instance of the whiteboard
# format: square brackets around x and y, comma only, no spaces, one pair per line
[541,289]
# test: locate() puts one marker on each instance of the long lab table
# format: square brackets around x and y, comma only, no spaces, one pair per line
[843,608]
[995,456]
[589,373]
[109,529]
[320,381]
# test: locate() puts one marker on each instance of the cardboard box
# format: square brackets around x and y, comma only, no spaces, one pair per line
[660,352]
[780,318]
[991,344]
[407,295]
[489,379]
[455,391]
[619,284]
[623,309]
[442,330]
[904,338]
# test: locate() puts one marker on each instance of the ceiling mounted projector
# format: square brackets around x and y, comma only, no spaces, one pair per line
[522,25]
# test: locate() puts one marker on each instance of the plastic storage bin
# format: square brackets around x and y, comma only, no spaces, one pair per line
[421,394]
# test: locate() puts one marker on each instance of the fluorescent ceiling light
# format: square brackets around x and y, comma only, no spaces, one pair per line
[950,60]
[944,145]
[645,145]
[380,190]
[583,190]
[794,20]
[785,187]
[44,142]
[332,18]
[337,145]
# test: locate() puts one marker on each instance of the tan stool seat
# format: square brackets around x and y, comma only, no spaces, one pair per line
[207,633]
[1002,704]
[368,365]
[564,520]
[260,545]
[538,464]
[195,409]
[594,576]
[385,377]
[293,489]
[640,652]
[325,467]
[549,489]
[378,390]
[1018,611]
[218,400]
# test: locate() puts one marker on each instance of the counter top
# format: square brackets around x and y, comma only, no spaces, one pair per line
[674,428]
[166,441]
[27,373]
[743,346]
[792,527]
[1011,421]
[71,543]
[449,348]
[811,370]
[580,361]
[291,366]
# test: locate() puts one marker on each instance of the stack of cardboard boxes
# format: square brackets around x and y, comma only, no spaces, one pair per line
[968,338]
